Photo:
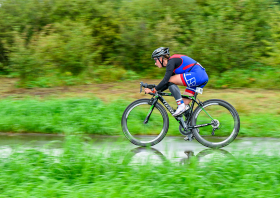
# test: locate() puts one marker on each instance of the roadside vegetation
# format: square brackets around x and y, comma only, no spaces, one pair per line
[70,42]
[81,112]
[82,171]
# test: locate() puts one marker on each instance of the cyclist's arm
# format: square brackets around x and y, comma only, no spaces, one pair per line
[169,71]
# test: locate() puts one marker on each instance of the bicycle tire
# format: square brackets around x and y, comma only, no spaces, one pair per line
[224,107]
[131,137]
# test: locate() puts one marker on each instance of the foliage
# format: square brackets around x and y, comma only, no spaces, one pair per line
[258,77]
[83,37]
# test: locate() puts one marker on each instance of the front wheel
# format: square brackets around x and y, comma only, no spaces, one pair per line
[224,120]
[140,133]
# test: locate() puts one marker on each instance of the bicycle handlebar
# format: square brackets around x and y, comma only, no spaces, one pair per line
[150,86]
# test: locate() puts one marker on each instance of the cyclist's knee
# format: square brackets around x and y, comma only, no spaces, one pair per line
[170,83]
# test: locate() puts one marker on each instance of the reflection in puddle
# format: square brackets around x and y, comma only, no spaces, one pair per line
[173,149]
[143,155]
[207,155]
[48,144]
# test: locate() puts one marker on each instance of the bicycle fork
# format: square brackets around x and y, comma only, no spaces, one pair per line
[153,102]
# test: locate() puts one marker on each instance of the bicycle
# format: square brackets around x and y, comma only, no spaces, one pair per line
[145,122]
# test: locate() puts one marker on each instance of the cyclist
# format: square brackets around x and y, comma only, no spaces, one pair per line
[180,70]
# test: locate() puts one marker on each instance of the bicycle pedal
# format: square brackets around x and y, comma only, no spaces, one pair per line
[188,137]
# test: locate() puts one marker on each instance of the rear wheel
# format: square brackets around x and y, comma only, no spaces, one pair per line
[139,133]
[224,119]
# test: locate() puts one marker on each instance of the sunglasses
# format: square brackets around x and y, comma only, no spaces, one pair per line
[155,59]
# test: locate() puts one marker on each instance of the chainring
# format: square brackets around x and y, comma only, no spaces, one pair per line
[182,131]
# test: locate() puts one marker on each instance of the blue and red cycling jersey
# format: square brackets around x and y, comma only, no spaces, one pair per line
[191,72]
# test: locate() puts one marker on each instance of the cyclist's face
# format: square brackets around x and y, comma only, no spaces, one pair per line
[157,63]
[159,60]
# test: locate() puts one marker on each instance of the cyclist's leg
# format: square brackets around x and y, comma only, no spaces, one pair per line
[177,79]
[188,92]
[192,80]
[186,79]
[174,89]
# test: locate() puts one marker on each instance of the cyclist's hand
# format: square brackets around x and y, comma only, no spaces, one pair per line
[147,90]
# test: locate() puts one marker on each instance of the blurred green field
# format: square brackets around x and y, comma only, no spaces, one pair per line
[94,116]
[81,171]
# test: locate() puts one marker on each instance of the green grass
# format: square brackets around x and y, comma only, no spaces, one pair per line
[59,116]
[91,115]
[81,171]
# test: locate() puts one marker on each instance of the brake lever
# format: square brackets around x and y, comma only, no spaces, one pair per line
[143,85]
[151,86]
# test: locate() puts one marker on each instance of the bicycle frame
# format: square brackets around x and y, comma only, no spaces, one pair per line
[159,96]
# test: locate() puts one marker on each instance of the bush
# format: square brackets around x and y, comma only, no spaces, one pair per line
[84,37]
[251,78]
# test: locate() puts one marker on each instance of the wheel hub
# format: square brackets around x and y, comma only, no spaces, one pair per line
[215,123]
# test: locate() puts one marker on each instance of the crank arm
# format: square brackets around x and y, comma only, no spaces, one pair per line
[200,125]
